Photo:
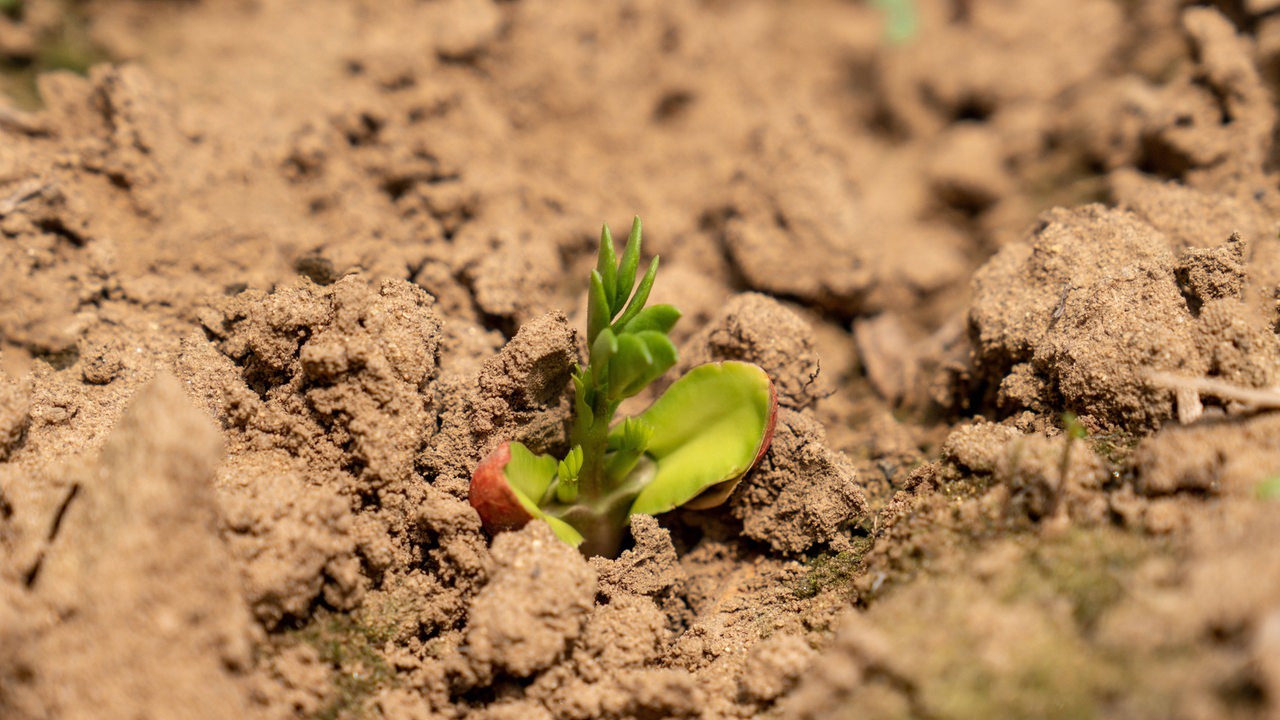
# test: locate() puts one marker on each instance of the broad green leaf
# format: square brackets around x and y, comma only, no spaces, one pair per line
[631,362]
[708,427]
[627,269]
[598,312]
[529,476]
[660,318]
[641,297]
[607,266]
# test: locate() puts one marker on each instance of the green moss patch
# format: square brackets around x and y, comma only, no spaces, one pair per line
[352,646]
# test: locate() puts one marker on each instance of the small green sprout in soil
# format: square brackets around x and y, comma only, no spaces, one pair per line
[63,45]
[1268,488]
[1075,430]
[900,21]
[1072,426]
[688,449]
[1116,448]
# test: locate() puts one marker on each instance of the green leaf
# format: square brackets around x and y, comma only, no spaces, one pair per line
[641,297]
[660,318]
[567,533]
[636,434]
[1268,489]
[602,350]
[529,476]
[607,266]
[709,427]
[571,465]
[627,446]
[662,355]
[630,262]
[900,21]
[632,361]
[567,475]
[598,312]
[582,399]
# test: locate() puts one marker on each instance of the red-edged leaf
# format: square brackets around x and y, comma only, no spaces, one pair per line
[506,487]
[492,497]
[710,428]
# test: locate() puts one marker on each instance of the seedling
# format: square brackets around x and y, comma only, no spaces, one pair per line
[688,449]
[901,19]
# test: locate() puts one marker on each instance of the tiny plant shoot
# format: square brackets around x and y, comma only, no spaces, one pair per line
[901,19]
[688,449]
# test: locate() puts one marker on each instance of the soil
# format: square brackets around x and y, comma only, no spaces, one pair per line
[277,275]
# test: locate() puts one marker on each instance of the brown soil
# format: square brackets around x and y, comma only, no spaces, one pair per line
[277,276]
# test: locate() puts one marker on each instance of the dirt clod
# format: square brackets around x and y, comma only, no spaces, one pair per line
[758,329]
[649,569]
[535,604]
[138,562]
[775,666]
[802,493]
[1075,317]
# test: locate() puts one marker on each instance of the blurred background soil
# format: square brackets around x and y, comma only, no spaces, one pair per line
[275,274]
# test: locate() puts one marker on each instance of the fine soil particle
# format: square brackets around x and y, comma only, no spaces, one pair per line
[277,276]
[803,494]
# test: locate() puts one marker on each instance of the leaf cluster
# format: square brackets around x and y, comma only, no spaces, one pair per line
[689,448]
[628,342]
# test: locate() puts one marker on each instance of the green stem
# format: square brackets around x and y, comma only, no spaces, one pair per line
[594,439]
[603,520]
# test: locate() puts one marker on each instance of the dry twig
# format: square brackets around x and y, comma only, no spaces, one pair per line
[1189,389]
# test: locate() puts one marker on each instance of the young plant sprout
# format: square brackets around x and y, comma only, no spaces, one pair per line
[688,449]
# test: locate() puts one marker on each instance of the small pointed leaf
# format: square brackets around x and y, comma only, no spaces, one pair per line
[598,312]
[636,434]
[626,449]
[641,297]
[627,269]
[660,318]
[603,349]
[582,399]
[607,266]
[567,475]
